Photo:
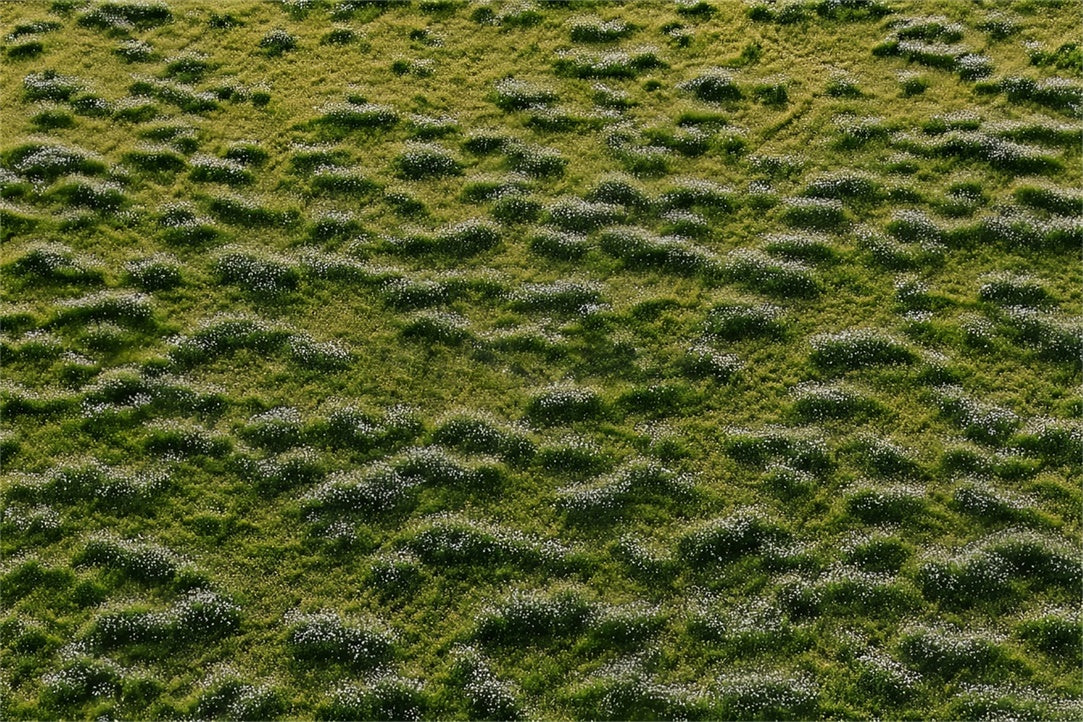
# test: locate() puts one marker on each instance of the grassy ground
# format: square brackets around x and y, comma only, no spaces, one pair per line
[558,360]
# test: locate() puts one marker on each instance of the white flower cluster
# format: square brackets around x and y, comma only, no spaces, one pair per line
[326,637]
[638,479]
[53,260]
[176,439]
[140,560]
[435,466]
[83,678]
[381,696]
[608,64]
[225,693]
[50,85]
[723,540]
[375,489]
[858,348]
[183,96]
[525,617]
[803,449]
[771,276]
[980,498]
[715,85]
[199,614]
[483,434]
[575,214]
[564,295]
[260,273]
[984,423]
[535,161]
[997,152]
[426,160]
[451,539]
[277,428]
[878,672]
[703,360]
[624,689]
[489,696]
[593,30]
[515,94]
[394,569]
[38,519]
[219,170]
[155,272]
[468,237]
[767,694]
[642,558]
[818,402]
[944,651]
[359,115]
[307,352]
[564,404]
[892,503]
[295,468]
[642,249]
[755,624]
[86,481]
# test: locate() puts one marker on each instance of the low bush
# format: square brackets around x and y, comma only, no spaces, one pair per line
[946,653]
[249,212]
[50,85]
[770,276]
[277,42]
[698,193]
[815,402]
[703,361]
[859,348]
[384,697]
[801,451]
[612,64]
[52,262]
[488,696]
[767,696]
[325,638]
[1054,632]
[479,435]
[421,161]
[638,481]
[535,161]
[619,190]
[893,504]
[256,274]
[714,86]
[208,169]
[980,422]
[559,296]
[353,116]
[438,327]
[574,214]
[816,213]
[534,618]
[640,249]
[361,493]
[512,94]
[728,539]
[562,405]
[592,30]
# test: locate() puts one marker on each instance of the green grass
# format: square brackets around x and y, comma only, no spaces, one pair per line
[433,359]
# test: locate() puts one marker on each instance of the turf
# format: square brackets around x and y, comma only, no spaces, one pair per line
[398,360]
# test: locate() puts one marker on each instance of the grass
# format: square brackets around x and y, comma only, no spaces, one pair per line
[535,360]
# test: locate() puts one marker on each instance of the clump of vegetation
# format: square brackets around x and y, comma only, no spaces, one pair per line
[507,360]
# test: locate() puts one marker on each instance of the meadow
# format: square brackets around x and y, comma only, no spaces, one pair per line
[714,359]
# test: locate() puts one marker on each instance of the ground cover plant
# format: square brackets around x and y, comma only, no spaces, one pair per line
[409,359]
